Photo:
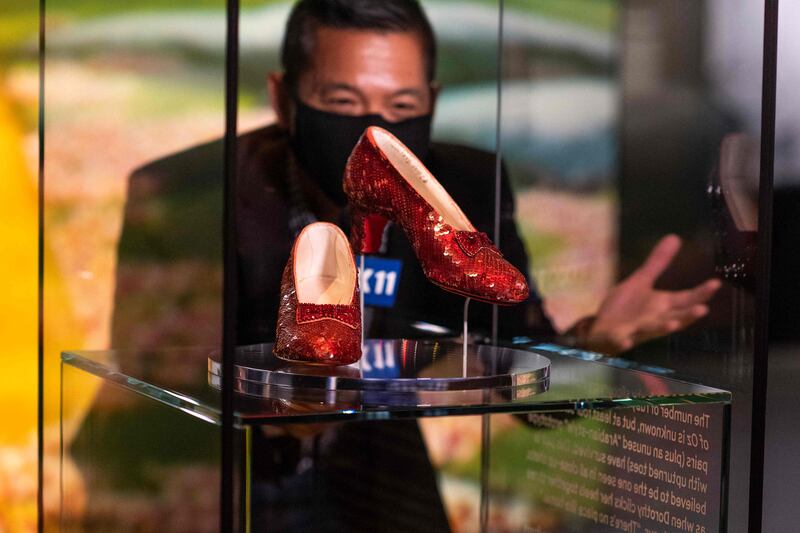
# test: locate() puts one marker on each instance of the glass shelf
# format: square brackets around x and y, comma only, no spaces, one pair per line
[185,379]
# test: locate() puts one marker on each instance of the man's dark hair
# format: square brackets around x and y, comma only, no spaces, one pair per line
[371,15]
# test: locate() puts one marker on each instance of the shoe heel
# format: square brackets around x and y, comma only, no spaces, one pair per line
[366,232]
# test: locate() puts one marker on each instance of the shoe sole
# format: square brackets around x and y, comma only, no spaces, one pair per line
[473,296]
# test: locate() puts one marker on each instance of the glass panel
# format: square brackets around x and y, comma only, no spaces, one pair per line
[714,80]
[622,123]
[134,109]
[782,467]
[691,141]
[294,142]
[136,464]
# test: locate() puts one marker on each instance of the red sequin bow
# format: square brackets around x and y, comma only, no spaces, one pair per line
[346,314]
[472,242]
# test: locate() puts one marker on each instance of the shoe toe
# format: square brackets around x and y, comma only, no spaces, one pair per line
[502,284]
[519,290]
[514,287]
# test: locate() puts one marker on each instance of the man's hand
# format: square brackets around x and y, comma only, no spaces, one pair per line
[634,311]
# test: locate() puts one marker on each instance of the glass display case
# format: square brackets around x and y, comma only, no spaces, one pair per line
[611,420]
[617,153]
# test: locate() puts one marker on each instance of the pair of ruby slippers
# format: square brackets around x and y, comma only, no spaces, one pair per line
[319,320]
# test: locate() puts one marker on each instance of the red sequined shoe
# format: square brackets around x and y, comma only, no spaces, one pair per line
[319,320]
[385,181]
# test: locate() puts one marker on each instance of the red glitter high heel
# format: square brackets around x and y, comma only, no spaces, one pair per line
[319,320]
[385,181]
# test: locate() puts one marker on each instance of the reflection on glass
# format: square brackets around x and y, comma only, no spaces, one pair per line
[693,120]
[693,134]
[127,86]
[654,117]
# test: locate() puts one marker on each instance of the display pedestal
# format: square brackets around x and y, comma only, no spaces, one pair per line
[398,372]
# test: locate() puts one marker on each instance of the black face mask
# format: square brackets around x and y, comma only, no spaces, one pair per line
[323,141]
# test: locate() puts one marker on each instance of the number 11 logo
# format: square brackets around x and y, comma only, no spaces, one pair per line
[380,281]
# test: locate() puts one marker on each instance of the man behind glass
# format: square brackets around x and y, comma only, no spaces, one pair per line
[351,64]
[348,64]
